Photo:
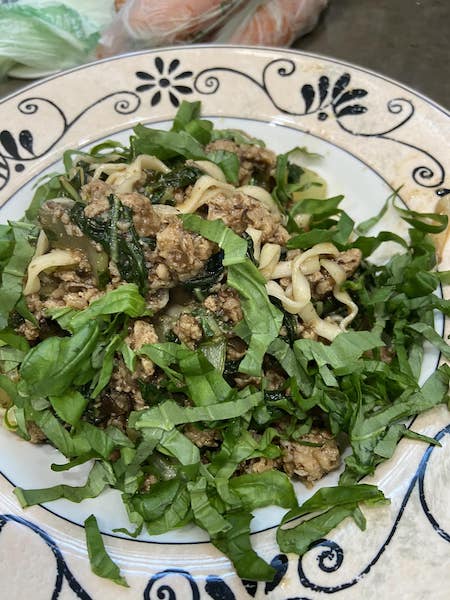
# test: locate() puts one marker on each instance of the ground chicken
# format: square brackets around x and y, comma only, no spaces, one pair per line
[74,291]
[306,332]
[28,330]
[311,463]
[240,211]
[259,465]
[321,281]
[251,157]
[125,383]
[242,380]
[202,438]
[184,253]
[149,480]
[37,436]
[188,330]
[95,194]
[236,348]
[274,379]
[142,333]
[225,304]
[145,219]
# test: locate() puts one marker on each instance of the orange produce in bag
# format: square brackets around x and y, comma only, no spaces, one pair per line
[151,23]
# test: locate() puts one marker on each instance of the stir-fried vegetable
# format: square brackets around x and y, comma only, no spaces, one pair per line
[194,355]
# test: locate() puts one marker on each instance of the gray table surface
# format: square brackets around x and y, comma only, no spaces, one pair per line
[407,40]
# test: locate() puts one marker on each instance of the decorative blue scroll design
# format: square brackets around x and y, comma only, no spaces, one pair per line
[20,149]
[63,573]
[336,97]
[327,96]
[164,586]
[331,558]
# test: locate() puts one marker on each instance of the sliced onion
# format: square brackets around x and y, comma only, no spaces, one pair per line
[275,290]
[259,193]
[54,258]
[301,290]
[317,249]
[209,168]
[339,276]
[324,329]
[124,177]
[310,265]
[197,196]
[282,269]
[256,236]
[270,255]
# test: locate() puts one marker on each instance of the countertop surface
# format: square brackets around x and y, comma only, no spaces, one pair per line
[407,40]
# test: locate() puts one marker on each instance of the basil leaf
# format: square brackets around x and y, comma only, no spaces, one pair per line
[228,162]
[328,497]
[368,224]
[180,447]
[234,247]
[187,112]
[70,406]
[168,414]
[50,188]
[294,368]
[101,563]
[14,269]
[264,489]
[205,384]
[99,478]
[430,334]
[124,299]
[177,514]
[204,513]
[165,144]
[262,318]
[345,348]
[50,367]
[235,543]
[58,435]
[152,505]
[299,539]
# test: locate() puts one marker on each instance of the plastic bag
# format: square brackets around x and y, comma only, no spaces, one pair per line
[150,23]
[40,37]
[274,23]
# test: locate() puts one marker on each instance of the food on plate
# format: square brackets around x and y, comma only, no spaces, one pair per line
[195,318]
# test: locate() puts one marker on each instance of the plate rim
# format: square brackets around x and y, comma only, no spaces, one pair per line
[171,48]
[280,51]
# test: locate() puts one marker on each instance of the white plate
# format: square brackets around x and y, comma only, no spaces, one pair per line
[374,135]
